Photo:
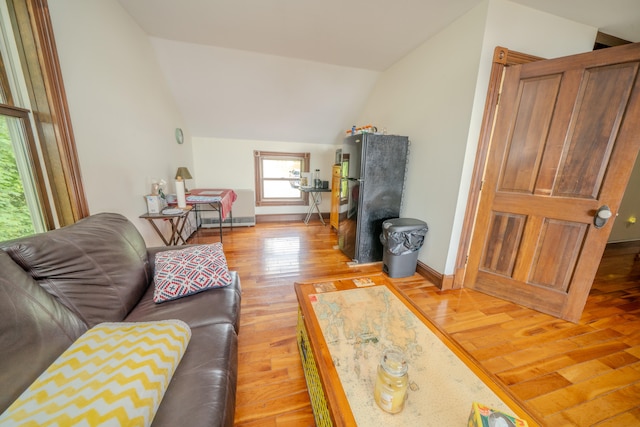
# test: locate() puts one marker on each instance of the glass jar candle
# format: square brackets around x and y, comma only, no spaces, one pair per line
[392,380]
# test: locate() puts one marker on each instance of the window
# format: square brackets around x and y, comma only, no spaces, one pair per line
[278,178]
[39,172]
[20,207]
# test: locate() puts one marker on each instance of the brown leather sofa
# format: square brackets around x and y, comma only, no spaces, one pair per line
[56,285]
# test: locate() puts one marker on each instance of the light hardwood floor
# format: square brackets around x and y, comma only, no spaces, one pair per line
[567,374]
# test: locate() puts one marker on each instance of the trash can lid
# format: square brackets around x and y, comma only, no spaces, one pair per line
[403,224]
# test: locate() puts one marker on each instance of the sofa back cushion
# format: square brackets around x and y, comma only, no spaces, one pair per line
[34,330]
[97,267]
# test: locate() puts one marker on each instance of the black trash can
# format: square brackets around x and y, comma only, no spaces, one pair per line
[402,239]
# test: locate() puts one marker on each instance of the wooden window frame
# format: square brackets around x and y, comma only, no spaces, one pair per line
[259,156]
[58,177]
[31,148]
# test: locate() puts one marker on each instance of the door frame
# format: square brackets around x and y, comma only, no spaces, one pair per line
[502,58]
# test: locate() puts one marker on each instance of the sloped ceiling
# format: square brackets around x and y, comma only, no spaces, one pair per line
[369,34]
[300,70]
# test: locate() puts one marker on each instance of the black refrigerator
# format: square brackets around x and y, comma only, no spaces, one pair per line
[373,173]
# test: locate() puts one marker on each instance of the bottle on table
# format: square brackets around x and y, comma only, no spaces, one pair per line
[316,179]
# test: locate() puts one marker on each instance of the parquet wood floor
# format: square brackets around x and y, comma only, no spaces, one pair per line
[584,374]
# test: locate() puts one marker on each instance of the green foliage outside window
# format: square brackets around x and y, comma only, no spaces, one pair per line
[15,219]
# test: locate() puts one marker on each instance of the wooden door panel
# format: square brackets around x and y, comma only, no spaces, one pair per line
[503,237]
[543,267]
[555,144]
[563,145]
[557,237]
[601,104]
[535,110]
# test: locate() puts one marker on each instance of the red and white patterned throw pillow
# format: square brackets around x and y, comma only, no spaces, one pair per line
[183,272]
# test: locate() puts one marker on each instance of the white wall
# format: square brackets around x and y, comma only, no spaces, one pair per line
[436,95]
[234,94]
[525,30]
[623,230]
[428,97]
[227,163]
[122,111]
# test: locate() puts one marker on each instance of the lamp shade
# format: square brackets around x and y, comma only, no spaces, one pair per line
[184,173]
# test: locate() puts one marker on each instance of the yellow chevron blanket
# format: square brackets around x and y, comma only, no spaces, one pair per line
[113,375]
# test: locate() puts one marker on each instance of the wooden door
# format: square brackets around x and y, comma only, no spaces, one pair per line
[565,139]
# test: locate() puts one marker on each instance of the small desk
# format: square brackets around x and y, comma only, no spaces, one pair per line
[218,200]
[314,203]
[177,222]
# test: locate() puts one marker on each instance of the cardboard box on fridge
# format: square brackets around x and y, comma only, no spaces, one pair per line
[484,416]
[155,204]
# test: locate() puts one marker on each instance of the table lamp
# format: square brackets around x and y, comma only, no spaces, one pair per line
[185,174]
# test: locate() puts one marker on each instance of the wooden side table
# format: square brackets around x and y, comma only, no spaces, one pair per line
[177,221]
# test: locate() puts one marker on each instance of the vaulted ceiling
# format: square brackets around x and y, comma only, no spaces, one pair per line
[301,70]
[370,34]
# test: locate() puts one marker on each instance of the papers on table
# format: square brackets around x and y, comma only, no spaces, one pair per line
[203,199]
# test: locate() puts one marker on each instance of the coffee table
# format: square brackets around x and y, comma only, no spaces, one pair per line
[346,322]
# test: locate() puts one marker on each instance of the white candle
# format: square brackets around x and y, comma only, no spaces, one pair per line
[182,199]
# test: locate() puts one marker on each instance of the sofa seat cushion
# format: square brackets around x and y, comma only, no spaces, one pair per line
[114,374]
[203,388]
[205,308]
[183,272]
[97,267]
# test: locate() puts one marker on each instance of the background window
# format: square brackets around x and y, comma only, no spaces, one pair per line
[278,177]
